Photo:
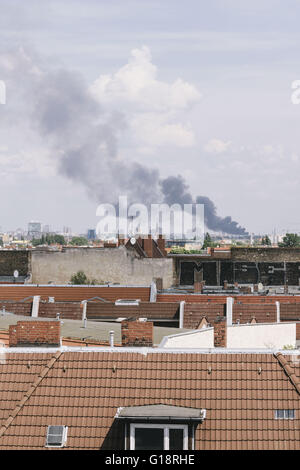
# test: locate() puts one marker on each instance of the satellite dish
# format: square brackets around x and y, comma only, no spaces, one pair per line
[132,241]
[16,273]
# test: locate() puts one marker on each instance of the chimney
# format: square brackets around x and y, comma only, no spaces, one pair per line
[147,245]
[111,338]
[137,333]
[198,287]
[159,283]
[220,333]
[121,240]
[35,333]
[161,244]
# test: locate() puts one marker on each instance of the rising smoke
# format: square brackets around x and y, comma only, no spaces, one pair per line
[83,138]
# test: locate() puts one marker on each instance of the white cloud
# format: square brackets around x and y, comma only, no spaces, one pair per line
[216,146]
[153,107]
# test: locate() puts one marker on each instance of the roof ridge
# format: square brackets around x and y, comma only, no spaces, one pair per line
[29,392]
[289,371]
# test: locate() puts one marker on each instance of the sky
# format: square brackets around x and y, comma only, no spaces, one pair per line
[108,98]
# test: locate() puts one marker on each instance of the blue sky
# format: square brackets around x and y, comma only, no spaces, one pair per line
[203,90]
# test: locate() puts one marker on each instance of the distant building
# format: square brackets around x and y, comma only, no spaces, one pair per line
[34,229]
[91,234]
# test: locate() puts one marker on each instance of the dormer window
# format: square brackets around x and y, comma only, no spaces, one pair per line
[160,427]
[158,437]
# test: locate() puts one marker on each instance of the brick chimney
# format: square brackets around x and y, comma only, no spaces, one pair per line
[161,244]
[121,241]
[35,333]
[137,333]
[147,246]
[198,287]
[220,333]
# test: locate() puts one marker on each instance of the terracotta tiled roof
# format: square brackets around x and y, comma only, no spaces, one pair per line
[17,373]
[290,371]
[74,293]
[221,299]
[84,389]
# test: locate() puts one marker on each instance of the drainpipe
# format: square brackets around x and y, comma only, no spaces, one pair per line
[84,307]
[35,306]
[277,311]
[229,308]
[181,313]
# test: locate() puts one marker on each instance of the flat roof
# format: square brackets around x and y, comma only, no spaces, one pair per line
[95,330]
[160,411]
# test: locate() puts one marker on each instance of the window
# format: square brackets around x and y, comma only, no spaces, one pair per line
[127,302]
[56,436]
[284,414]
[158,437]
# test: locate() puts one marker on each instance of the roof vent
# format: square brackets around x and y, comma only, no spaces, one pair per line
[127,302]
[56,436]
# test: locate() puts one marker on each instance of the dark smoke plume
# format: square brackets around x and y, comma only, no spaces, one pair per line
[83,139]
[175,190]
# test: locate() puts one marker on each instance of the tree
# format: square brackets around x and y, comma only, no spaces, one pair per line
[79,278]
[290,240]
[207,241]
[266,241]
[79,241]
[48,239]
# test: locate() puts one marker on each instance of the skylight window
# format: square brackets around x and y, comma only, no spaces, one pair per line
[127,302]
[56,436]
[284,414]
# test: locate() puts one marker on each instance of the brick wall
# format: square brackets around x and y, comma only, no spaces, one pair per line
[193,313]
[67,310]
[263,313]
[18,308]
[290,312]
[14,259]
[35,333]
[137,333]
[150,310]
